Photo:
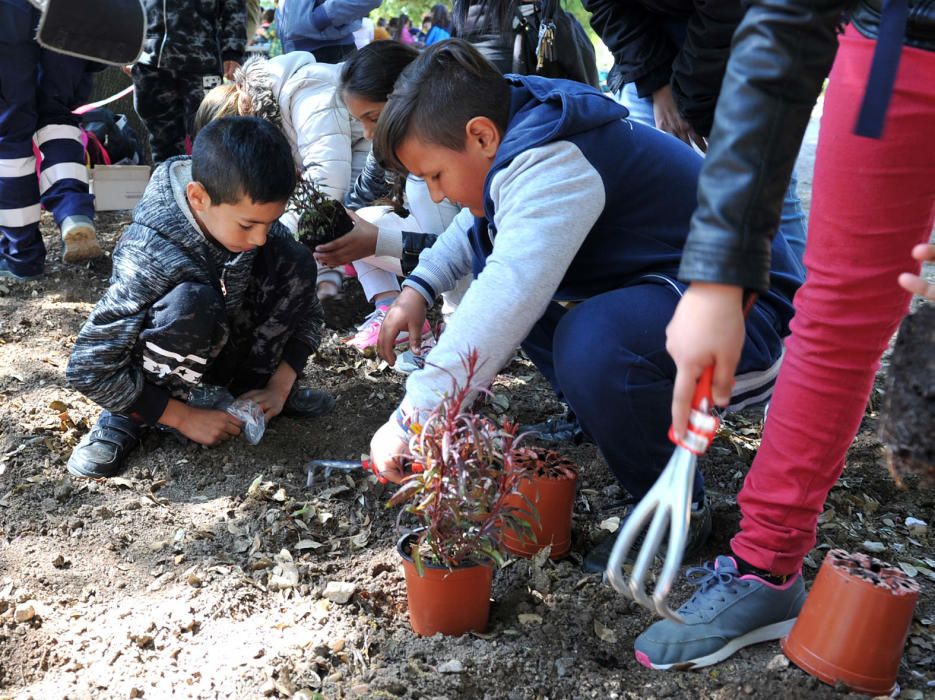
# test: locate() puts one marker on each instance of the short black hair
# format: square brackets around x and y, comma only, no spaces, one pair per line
[371,72]
[450,84]
[237,157]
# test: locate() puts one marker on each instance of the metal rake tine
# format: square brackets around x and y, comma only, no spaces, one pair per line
[647,556]
[630,530]
[683,478]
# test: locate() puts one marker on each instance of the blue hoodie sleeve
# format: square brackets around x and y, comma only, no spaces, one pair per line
[317,16]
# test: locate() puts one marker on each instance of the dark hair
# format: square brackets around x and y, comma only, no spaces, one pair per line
[269,16]
[371,72]
[237,157]
[440,16]
[436,96]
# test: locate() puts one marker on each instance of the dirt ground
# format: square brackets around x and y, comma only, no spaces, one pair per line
[201,572]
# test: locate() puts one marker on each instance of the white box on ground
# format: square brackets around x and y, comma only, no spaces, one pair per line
[118,186]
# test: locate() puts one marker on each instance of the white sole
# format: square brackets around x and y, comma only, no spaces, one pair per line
[80,243]
[770,633]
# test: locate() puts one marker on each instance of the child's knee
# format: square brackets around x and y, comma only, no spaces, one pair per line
[192,313]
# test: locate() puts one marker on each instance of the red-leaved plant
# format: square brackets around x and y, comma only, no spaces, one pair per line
[466,471]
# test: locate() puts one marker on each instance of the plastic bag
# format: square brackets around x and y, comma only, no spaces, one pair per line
[219,398]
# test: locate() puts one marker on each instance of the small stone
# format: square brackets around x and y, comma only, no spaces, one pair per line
[142,639]
[62,491]
[25,611]
[778,663]
[339,592]
[916,527]
[453,666]
[136,693]
[60,562]
[103,512]
[48,504]
[303,694]
[337,646]
[873,547]
[748,689]
[529,619]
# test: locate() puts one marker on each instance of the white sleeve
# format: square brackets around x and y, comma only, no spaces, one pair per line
[323,134]
[545,202]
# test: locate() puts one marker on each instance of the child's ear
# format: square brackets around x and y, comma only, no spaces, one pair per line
[198,197]
[484,134]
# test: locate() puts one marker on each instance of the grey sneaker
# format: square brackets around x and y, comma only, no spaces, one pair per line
[727,613]
[79,239]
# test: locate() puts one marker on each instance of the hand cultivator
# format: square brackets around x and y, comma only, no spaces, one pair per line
[326,467]
[668,503]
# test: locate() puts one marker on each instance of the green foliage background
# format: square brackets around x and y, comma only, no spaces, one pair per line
[416,9]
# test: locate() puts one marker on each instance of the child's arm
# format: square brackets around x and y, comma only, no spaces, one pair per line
[101,365]
[445,262]
[332,13]
[546,201]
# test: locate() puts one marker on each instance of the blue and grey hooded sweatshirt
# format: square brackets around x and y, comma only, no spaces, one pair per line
[579,201]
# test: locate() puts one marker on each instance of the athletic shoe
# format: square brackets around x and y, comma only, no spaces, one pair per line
[699,530]
[304,402]
[728,612]
[79,239]
[408,362]
[368,333]
[7,273]
[103,452]
[558,430]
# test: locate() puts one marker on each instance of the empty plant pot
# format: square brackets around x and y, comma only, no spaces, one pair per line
[550,488]
[854,624]
[450,601]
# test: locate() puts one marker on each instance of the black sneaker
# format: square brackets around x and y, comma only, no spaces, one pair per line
[307,403]
[699,530]
[562,429]
[102,453]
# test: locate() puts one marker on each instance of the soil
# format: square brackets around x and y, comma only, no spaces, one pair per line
[324,224]
[204,573]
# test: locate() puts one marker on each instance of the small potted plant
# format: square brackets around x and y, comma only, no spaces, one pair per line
[459,493]
[321,218]
[546,499]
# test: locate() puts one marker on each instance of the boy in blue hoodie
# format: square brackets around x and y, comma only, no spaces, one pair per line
[208,287]
[572,202]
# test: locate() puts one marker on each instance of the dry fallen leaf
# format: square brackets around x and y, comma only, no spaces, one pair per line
[605,633]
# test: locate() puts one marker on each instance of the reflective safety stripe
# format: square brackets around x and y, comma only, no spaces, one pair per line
[62,171]
[57,131]
[20,217]
[17,167]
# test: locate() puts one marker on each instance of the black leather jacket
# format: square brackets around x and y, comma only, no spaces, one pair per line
[920,29]
[655,42]
[782,52]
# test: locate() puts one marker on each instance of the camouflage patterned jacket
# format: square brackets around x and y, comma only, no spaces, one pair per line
[160,250]
[195,36]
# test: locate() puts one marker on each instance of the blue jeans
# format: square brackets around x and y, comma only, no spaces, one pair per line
[619,382]
[792,223]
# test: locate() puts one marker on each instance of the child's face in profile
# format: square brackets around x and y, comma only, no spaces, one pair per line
[238,227]
[456,175]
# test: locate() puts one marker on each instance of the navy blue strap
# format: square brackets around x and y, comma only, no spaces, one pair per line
[882,78]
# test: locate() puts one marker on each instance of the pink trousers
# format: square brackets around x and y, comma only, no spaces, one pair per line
[872,201]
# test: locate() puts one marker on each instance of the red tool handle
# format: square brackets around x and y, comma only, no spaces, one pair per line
[702,426]
[367,464]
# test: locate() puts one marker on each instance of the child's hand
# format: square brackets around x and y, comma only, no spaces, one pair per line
[270,400]
[386,448]
[208,426]
[361,242]
[406,313]
[706,329]
[924,252]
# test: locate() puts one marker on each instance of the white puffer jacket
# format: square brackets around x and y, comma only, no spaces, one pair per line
[328,144]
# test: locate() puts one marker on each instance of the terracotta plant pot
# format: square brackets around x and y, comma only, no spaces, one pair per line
[854,624]
[553,498]
[450,601]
